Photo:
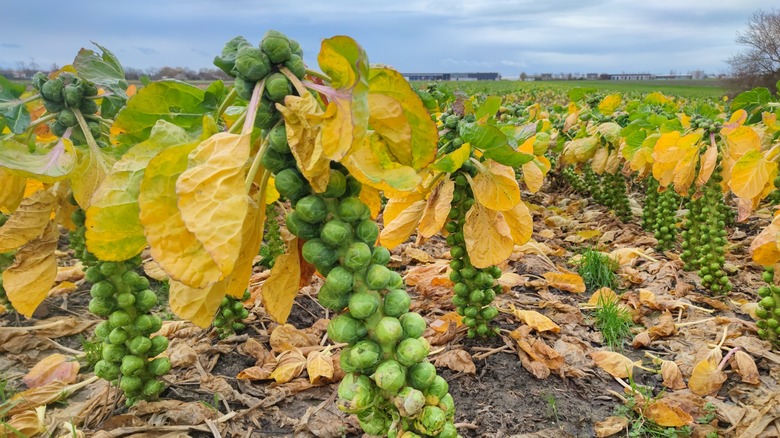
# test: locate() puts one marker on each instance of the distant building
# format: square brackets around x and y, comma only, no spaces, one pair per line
[452,76]
[592,76]
[631,77]
[672,77]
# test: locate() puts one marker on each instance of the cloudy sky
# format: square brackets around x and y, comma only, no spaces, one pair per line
[509,37]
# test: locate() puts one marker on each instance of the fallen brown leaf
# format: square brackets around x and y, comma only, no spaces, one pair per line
[610,426]
[287,337]
[53,368]
[706,377]
[457,360]
[569,282]
[614,363]
[745,366]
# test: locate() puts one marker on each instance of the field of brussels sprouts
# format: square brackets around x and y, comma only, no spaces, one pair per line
[334,252]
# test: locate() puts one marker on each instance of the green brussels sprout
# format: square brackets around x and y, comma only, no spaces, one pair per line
[409,401]
[102,289]
[340,280]
[332,299]
[377,277]
[67,118]
[131,365]
[277,139]
[374,422]
[362,305]
[132,278]
[353,186]
[227,60]
[318,253]
[352,209]
[93,275]
[301,228]
[277,87]
[356,393]
[296,49]
[153,388]
[447,404]
[125,300]
[103,330]
[267,114]
[275,161]
[296,66]
[277,46]
[337,185]
[244,88]
[357,256]
[438,389]
[413,324]
[411,351]
[345,328]
[159,344]
[290,182]
[390,376]
[40,78]
[119,318]
[431,420]
[251,64]
[113,353]
[312,209]
[365,354]
[72,95]
[367,231]
[107,370]
[421,375]
[145,300]
[344,362]
[767,303]
[388,330]
[397,303]
[448,431]
[110,268]
[118,336]
[336,232]
[58,129]
[131,384]
[139,344]
[489,313]
[380,256]
[52,90]
[102,306]
[159,366]
[143,322]
[767,276]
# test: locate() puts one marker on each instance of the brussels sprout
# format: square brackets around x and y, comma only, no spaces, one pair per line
[388,330]
[447,404]
[72,95]
[243,88]
[336,232]
[52,90]
[421,375]
[139,344]
[132,278]
[267,115]
[102,289]
[409,401]
[159,366]
[53,108]
[277,139]
[296,66]
[380,256]
[143,322]
[93,275]
[337,185]
[431,420]
[296,49]
[411,351]
[357,256]
[489,313]
[390,376]
[438,388]
[413,324]
[367,231]
[767,303]
[40,78]
[67,118]
[277,87]
[153,388]
[227,60]
[114,353]
[103,330]
[364,304]
[333,299]
[353,186]
[290,182]
[318,253]
[106,370]
[448,431]
[345,328]
[312,209]
[118,336]
[377,277]
[356,393]
[251,64]
[397,303]
[131,365]
[365,354]
[119,318]
[340,280]
[301,228]
[125,300]
[374,421]
[159,344]
[275,161]
[130,384]
[102,306]
[352,209]
[145,300]
[277,46]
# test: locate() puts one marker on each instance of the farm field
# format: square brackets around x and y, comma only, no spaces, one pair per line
[340,253]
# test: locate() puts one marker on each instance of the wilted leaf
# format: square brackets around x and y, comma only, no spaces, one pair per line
[371,197]
[34,397]
[28,221]
[666,414]
[745,366]
[533,176]
[251,241]
[536,320]
[673,378]
[610,426]
[496,187]
[27,423]
[54,165]
[706,377]
[457,360]
[401,227]
[602,296]
[13,190]
[568,282]
[319,366]
[614,363]
[609,104]
[437,208]
[28,280]
[53,368]
[487,235]
[287,337]
[90,171]
[281,288]
[303,135]
[442,323]
[707,164]
[764,248]
[198,305]
[521,223]
[291,364]
[751,174]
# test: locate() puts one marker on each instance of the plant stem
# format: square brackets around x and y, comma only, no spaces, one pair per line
[255,167]
[238,123]
[85,130]
[229,99]
[40,120]
[295,81]
[317,74]
[251,110]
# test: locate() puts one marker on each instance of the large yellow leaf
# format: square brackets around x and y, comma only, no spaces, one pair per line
[114,231]
[13,190]
[91,168]
[707,164]
[212,197]
[751,174]
[26,423]
[291,364]
[673,154]
[685,170]
[566,281]
[371,197]
[28,221]
[305,139]
[488,238]
[281,288]
[537,321]
[599,161]
[667,414]
[614,363]
[610,103]
[496,187]
[28,280]
[172,245]
[396,206]
[706,377]
[580,150]
[251,240]
[373,164]
[437,208]
[319,366]
[741,141]
[198,305]
[764,248]
[533,175]
[521,223]
[403,225]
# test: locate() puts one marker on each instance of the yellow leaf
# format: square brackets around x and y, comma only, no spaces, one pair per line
[685,170]
[91,168]
[172,245]
[537,321]
[610,426]
[437,208]
[735,121]
[580,150]
[280,289]
[373,164]
[271,195]
[521,223]
[602,296]
[672,375]
[674,159]
[53,368]
[764,248]
[610,103]
[741,141]
[614,363]
[599,162]
[706,377]
[589,234]
[371,197]
[707,164]
[26,423]
[496,187]
[751,174]
[287,337]
[198,305]
[291,364]
[251,240]
[319,366]
[28,221]
[568,282]
[403,225]
[396,206]
[533,176]
[212,197]
[305,139]
[28,280]
[13,190]
[667,415]
[770,121]
[488,237]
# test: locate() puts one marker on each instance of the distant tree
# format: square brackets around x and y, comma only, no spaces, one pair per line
[759,65]
[523,76]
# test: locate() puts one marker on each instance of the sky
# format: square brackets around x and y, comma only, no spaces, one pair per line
[508,37]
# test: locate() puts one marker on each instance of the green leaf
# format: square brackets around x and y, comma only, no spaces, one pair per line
[482,137]
[10,91]
[508,156]
[452,161]
[490,107]
[48,167]
[176,102]
[17,118]
[103,70]
[578,93]
[751,100]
